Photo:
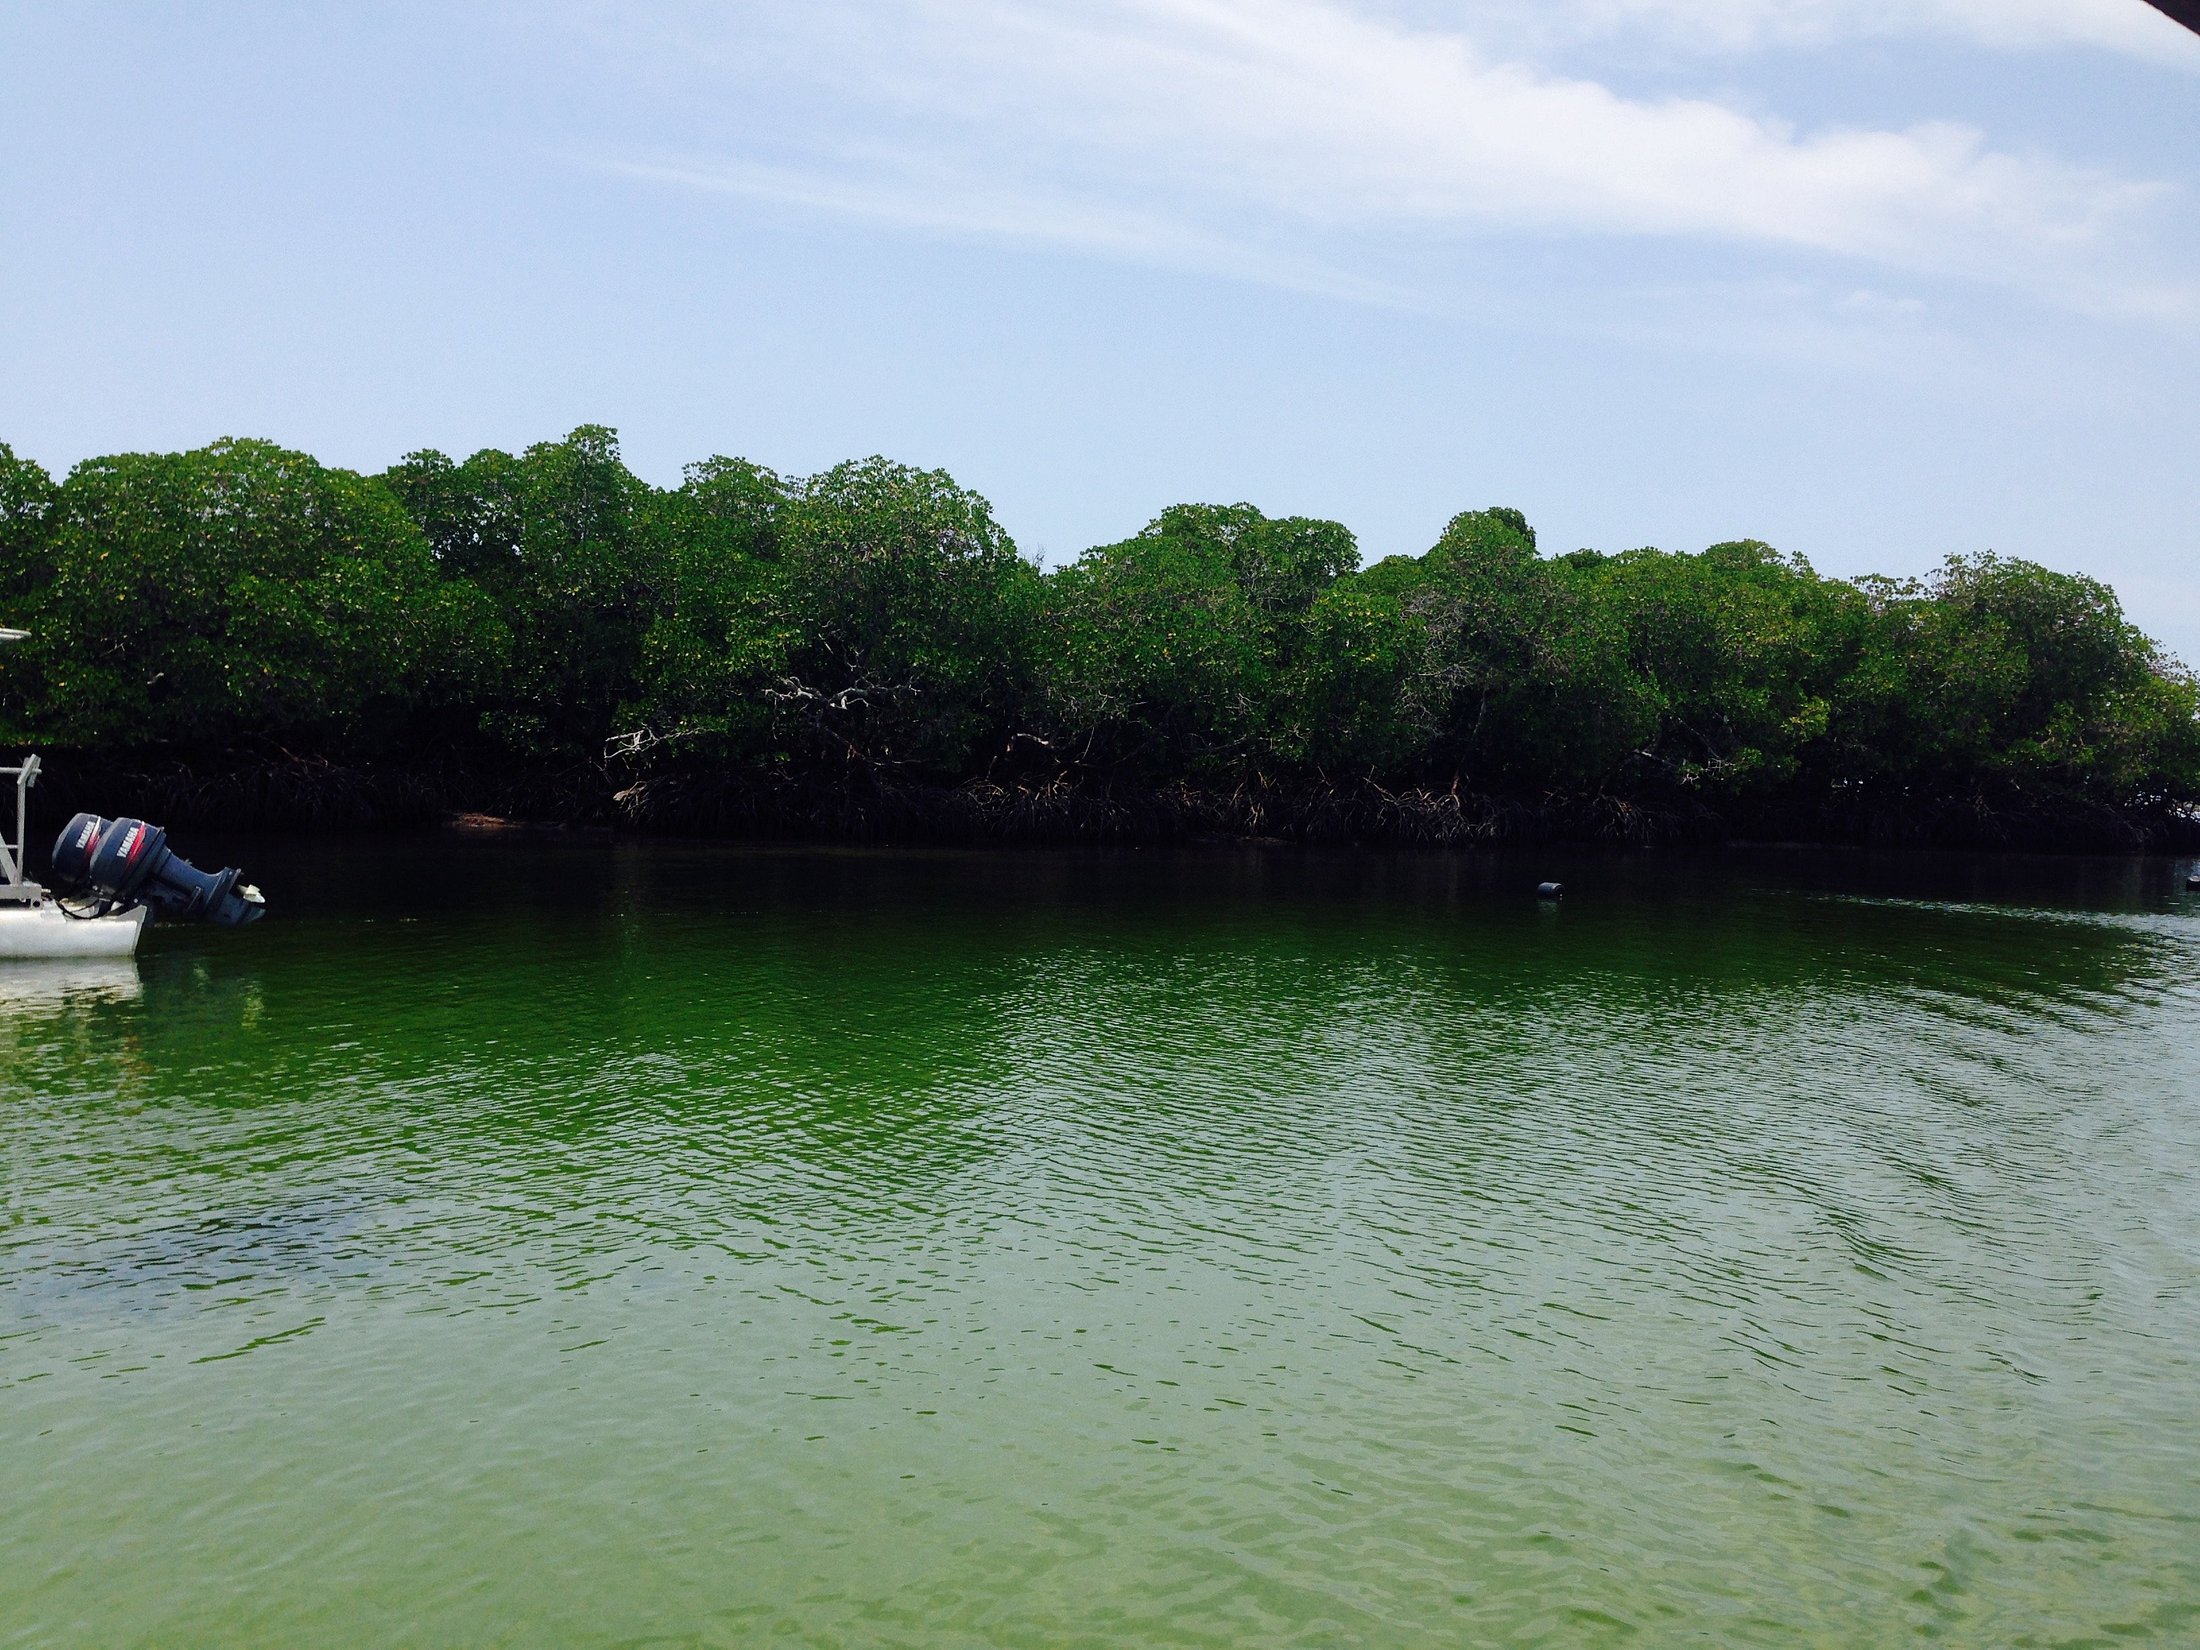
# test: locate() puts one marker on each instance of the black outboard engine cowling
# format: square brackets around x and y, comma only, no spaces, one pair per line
[126,862]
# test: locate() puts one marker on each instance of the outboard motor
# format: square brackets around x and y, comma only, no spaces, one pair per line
[128,862]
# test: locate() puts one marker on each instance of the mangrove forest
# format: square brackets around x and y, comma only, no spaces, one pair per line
[244,636]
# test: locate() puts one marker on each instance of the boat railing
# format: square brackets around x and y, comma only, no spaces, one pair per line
[15,883]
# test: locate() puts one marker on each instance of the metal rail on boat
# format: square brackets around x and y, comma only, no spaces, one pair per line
[15,883]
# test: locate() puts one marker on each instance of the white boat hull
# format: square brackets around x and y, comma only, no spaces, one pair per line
[43,930]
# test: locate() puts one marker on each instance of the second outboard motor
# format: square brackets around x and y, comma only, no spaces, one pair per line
[127,861]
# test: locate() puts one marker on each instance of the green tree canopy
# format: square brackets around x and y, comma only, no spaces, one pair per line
[1167,652]
[2003,674]
[237,593]
[563,539]
[907,615]
[531,613]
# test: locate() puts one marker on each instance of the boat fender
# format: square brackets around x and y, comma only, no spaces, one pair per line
[1550,890]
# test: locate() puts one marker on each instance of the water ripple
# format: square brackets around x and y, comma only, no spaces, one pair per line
[1167,1250]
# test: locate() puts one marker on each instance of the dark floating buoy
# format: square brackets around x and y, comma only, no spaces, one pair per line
[2192,883]
[1557,890]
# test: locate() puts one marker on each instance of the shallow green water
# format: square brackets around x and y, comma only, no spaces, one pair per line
[692,1246]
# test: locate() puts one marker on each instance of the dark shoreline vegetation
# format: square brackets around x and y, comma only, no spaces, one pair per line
[242,637]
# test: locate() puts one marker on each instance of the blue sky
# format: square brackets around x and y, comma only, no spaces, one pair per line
[1876,280]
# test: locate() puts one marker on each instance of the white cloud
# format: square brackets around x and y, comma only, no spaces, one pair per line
[959,206]
[2129,26]
[1200,130]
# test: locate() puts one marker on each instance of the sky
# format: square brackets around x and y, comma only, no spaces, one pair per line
[1877,281]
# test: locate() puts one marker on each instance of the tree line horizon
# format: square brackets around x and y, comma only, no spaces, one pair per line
[866,650]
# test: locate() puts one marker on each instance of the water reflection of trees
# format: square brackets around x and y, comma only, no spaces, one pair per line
[61,1021]
[576,1025]
[437,1063]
